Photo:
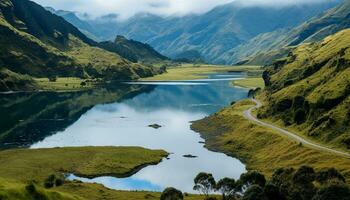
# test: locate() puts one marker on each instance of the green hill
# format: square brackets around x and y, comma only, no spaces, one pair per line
[265,47]
[309,90]
[37,43]
[133,50]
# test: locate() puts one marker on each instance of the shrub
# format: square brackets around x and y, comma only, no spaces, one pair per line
[171,194]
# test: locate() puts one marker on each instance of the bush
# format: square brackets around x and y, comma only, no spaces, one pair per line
[171,194]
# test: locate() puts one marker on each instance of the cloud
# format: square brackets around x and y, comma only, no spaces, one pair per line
[128,8]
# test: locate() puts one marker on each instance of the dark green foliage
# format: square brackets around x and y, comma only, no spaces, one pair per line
[227,187]
[254,192]
[251,178]
[285,184]
[325,175]
[171,194]
[204,183]
[333,191]
[272,192]
[53,181]
[33,191]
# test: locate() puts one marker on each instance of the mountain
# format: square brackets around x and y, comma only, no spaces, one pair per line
[189,56]
[37,43]
[309,90]
[211,34]
[133,50]
[263,48]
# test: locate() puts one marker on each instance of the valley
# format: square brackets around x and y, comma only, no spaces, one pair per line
[233,101]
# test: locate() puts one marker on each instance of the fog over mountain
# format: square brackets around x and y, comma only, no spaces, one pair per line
[128,8]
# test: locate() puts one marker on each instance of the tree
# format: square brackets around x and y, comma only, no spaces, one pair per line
[227,187]
[333,191]
[251,178]
[204,183]
[303,182]
[329,174]
[171,194]
[272,192]
[254,192]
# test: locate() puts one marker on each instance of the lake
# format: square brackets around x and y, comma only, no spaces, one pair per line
[121,116]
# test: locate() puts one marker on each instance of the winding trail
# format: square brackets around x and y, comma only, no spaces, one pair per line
[248,115]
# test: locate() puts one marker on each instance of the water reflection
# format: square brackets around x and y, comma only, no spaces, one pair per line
[173,106]
[27,118]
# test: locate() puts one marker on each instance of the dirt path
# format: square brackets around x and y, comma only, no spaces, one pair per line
[248,115]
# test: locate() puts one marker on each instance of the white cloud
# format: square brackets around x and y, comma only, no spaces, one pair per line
[128,8]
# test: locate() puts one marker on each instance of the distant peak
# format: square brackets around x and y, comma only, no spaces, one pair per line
[120,38]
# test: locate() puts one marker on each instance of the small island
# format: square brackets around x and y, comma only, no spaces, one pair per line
[189,156]
[155,126]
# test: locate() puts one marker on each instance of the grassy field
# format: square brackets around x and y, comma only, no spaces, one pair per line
[250,82]
[22,167]
[64,84]
[37,164]
[261,148]
[190,72]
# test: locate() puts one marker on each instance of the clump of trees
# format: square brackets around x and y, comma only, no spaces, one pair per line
[285,184]
[171,194]
[53,181]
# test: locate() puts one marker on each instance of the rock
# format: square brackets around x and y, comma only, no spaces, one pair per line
[155,126]
[189,156]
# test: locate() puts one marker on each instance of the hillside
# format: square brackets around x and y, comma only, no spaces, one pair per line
[262,48]
[133,50]
[211,34]
[37,43]
[309,91]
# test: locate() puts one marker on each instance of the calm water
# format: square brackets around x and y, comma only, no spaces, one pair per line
[122,119]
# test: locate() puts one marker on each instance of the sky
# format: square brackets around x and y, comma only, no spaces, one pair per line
[128,8]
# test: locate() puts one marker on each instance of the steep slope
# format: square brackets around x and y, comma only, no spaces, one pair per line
[310,90]
[313,30]
[133,50]
[37,43]
[211,34]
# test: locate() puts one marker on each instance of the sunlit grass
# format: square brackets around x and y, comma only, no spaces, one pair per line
[190,72]
[261,148]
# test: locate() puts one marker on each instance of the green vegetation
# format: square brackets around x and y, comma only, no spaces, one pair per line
[21,178]
[250,82]
[30,191]
[65,84]
[258,147]
[42,45]
[308,91]
[285,184]
[193,71]
[13,81]
[133,50]
[23,164]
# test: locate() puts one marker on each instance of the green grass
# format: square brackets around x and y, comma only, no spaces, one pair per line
[37,164]
[22,166]
[64,84]
[250,82]
[15,190]
[97,192]
[261,148]
[314,81]
[190,72]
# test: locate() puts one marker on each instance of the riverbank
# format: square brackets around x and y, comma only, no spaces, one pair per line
[24,171]
[192,72]
[261,148]
[18,167]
